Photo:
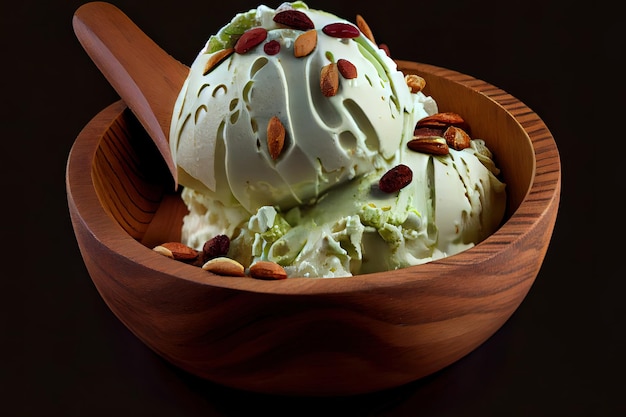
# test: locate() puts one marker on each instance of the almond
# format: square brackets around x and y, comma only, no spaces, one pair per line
[250,39]
[395,179]
[443,119]
[275,137]
[329,79]
[433,145]
[177,251]
[305,43]
[216,58]
[346,69]
[267,270]
[364,28]
[225,266]
[456,138]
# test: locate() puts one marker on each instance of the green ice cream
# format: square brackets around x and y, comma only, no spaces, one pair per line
[316,209]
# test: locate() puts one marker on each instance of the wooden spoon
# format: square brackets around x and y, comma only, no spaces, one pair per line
[146,77]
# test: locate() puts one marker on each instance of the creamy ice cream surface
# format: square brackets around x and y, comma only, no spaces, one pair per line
[282,131]
[219,135]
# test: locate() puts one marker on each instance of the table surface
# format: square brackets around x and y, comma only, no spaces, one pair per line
[561,353]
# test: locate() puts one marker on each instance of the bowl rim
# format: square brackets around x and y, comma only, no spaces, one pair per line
[542,195]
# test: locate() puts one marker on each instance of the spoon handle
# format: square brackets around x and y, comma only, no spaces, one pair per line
[144,75]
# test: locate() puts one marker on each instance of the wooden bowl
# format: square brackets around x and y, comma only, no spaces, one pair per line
[307,336]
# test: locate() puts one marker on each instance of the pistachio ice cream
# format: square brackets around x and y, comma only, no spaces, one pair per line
[281,133]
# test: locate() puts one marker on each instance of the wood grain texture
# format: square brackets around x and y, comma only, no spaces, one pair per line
[307,336]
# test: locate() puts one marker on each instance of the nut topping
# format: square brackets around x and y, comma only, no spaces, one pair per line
[329,79]
[456,138]
[395,179]
[250,39]
[275,137]
[415,83]
[215,247]
[216,58]
[267,270]
[272,47]
[422,132]
[346,69]
[437,133]
[294,19]
[442,120]
[225,266]
[341,30]
[177,251]
[433,145]
[364,28]
[305,43]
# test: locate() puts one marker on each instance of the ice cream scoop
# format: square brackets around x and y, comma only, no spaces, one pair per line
[283,132]
[337,103]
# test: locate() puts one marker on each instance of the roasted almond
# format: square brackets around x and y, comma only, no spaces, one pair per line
[225,266]
[395,179]
[267,270]
[443,119]
[415,83]
[250,39]
[456,138]
[216,58]
[305,43]
[431,145]
[275,137]
[329,79]
[364,28]
[177,251]
[346,69]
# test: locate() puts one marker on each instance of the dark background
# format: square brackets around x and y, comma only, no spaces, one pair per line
[560,354]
